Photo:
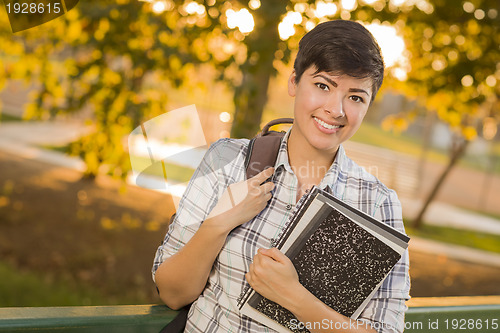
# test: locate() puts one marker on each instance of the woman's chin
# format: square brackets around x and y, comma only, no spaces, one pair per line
[322,146]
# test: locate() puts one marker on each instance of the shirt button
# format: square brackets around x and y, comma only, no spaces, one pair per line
[288,207]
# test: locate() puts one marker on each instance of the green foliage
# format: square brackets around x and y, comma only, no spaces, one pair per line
[102,55]
[7,117]
[474,239]
[112,57]
[30,289]
[175,173]
[454,62]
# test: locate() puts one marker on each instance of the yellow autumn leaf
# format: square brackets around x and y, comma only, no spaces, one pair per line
[175,63]
[163,37]
[104,25]
[107,223]
[400,124]
[73,31]
[469,133]
[72,15]
[91,160]
[110,77]
[30,111]
[454,118]
[96,54]
[152,226]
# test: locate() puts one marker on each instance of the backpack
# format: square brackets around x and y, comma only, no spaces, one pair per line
[264,147]
[262,152]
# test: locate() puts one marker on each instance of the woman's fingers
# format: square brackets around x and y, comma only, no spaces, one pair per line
[267,187]
[255,183]
[261,177]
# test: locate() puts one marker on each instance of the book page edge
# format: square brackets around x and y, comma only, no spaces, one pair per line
[250,312]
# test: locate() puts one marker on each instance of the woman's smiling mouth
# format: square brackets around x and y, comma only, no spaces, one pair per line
[326,126]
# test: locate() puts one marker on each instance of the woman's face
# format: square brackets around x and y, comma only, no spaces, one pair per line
[328,108]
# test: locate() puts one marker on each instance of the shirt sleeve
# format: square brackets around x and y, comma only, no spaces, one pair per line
[198,200]
[386,310]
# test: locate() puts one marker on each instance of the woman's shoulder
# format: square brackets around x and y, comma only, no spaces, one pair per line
[367,179]
[229,147]
[227,154]
[230,142]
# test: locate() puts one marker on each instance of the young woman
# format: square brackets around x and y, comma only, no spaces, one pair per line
[209,259]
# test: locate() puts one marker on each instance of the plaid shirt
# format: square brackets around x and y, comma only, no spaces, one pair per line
[216,310]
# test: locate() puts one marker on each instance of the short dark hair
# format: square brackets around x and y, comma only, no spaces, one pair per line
[341,47]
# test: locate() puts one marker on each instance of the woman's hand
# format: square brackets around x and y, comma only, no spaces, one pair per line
[242,201]
[273,276]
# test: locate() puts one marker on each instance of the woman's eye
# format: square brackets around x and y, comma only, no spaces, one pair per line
[322,86]
[357,99]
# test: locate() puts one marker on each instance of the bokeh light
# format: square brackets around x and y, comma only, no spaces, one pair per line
[225,117]
[194,8]
[391,44]
[286,28]
[254,4]
[467,80]
[491,81]
[242,19]
[324,9]
[468,7]
[349,4]
[159,7]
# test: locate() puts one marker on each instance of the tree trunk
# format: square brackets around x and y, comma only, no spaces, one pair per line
[250,97]
[457,152]
[249,101]
[426,144]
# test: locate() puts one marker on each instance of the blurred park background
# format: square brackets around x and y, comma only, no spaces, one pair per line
[74,228]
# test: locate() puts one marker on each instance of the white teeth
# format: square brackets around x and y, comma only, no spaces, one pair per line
[325,125]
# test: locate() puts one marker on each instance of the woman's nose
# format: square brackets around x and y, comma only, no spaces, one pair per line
[333,106]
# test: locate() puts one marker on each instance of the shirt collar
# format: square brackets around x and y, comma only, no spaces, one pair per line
[331,176]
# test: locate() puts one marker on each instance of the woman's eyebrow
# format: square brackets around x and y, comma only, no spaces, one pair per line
[333,83]
[358,90]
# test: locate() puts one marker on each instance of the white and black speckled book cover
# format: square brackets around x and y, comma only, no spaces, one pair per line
[341,255]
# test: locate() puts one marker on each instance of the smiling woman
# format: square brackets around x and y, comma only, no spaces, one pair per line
[206,256]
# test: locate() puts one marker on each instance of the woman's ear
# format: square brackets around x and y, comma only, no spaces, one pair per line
[292,84]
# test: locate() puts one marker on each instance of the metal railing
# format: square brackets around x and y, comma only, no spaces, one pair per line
[441,314]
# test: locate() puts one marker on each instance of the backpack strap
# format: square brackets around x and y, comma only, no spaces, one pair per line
[178,324]
[265,130]
[263,149]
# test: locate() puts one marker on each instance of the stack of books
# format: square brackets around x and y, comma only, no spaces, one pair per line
[341,255]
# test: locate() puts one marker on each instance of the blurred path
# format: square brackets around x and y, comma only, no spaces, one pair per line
[43,133]
[443,214]
[454,251]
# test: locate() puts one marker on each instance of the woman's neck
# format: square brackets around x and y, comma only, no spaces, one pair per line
[303,157]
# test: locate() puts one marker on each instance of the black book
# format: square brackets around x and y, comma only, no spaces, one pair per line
[341,255]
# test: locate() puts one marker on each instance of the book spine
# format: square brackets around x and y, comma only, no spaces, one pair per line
[279,240]
[244,295]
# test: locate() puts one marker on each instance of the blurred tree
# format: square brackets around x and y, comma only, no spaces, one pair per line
[454,70]
[101,55]
[112,57]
